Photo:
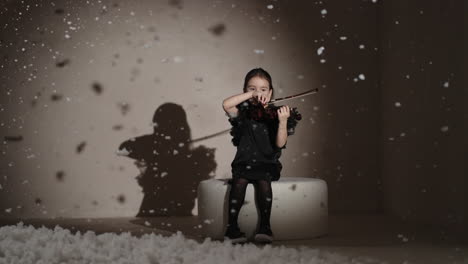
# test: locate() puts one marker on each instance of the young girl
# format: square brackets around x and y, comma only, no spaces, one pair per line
[259,143]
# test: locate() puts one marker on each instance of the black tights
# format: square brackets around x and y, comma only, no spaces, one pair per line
[263,195]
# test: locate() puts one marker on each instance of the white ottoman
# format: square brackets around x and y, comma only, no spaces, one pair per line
[299,209]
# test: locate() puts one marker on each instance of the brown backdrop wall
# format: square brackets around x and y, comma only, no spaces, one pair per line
[424,146]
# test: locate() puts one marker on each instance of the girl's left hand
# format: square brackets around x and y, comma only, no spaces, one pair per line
[283,113]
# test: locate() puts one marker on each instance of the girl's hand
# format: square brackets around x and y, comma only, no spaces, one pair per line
[283,113]
[259,97]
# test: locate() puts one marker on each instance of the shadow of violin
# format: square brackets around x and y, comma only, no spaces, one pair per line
[170,169]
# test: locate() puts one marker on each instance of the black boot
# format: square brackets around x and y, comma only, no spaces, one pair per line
[234,235]
[264,235]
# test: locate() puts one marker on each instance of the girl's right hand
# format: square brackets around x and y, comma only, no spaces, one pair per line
[259,97]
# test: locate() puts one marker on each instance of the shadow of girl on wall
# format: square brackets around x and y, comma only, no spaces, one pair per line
[170,170]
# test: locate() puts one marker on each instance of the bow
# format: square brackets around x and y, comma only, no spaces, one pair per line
[312,91]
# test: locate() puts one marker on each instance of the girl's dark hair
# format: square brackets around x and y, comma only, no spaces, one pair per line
[260,73]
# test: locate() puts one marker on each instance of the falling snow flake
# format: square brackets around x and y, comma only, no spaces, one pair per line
[208,221]
[320,50]
[259,51]
[403,238]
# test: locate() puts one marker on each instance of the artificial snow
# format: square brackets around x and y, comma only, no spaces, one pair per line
[403,238]
[26,244]
[320,50]
[259,51]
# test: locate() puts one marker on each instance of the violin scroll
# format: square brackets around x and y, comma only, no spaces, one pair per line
[296,114]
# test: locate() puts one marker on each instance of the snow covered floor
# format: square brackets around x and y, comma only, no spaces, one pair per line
[352,239]
[26,244]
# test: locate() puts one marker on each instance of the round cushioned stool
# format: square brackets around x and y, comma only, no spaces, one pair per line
[299,209]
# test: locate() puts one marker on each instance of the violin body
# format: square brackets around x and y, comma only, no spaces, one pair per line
[260,113]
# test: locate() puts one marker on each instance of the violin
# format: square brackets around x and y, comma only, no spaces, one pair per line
[259,113]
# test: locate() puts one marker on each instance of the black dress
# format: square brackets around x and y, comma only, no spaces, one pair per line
[257,156]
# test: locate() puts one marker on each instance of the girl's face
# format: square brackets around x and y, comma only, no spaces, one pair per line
[262,86]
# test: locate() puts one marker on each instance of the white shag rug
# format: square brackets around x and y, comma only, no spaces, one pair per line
[26,244]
